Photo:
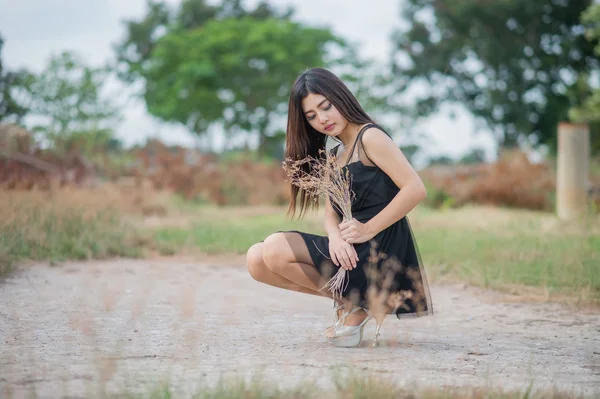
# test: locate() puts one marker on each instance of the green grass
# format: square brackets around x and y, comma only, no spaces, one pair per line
[65,237]
[490,247]
[498,248]
[345,388]
[42,228]
[217,232]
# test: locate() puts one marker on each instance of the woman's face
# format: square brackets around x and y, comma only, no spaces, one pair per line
[322,115]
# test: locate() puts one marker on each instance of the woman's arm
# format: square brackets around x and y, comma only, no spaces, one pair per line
[332,220]
[382,150]
[342,253]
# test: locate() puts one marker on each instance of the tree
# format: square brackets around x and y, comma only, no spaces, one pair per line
[225,65]
[11,110]
[590,109]
[231,66]
[136,62]
[66,104]
[369,81]
[511,63]
[237,72]
[133,52]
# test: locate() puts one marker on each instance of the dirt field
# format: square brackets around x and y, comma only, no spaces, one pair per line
[82,328]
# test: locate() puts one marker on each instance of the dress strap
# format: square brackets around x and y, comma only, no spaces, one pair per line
[334,150]
[359,138]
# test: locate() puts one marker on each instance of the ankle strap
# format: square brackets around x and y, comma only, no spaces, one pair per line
[354,310]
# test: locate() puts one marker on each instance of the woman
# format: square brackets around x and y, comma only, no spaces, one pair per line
[376,248]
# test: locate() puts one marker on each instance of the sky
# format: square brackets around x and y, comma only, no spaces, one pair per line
[35,29]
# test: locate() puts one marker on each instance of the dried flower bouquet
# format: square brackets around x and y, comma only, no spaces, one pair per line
[323,177]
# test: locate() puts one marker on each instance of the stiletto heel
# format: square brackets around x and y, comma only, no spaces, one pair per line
[376,339]
[349,336]
[379,318]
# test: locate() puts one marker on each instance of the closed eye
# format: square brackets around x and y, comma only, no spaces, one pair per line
[327,108]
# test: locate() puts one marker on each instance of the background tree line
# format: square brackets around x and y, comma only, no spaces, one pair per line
[519,68]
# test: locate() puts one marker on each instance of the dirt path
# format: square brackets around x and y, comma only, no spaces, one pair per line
[73,329]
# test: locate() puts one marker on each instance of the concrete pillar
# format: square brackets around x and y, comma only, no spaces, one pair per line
[572,170]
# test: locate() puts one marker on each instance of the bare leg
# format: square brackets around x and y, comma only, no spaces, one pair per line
[289,266]
[286,254]
[261,273]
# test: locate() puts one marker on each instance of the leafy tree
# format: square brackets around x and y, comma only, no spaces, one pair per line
[511,63]
[66,104]
[133,52]
[227,65]
[372,85]
[205,65]
[590,110]
[237,72]
[11,110]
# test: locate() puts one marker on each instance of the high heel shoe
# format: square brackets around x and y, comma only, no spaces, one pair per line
[350,336]
[330,331]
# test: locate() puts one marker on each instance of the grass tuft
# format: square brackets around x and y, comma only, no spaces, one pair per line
[355,387]
[66,225]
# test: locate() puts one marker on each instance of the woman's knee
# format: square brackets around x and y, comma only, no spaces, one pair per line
[254,261]
[275,251]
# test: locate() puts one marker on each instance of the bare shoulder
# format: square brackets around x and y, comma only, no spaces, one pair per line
[386,154]
[374,136]
[378,144]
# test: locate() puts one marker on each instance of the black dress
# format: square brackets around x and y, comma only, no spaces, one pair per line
[390,261]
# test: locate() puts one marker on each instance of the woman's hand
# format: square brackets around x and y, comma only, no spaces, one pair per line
[342,253]
[355,232]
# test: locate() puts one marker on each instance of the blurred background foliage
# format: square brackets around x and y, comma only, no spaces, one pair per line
[518,68]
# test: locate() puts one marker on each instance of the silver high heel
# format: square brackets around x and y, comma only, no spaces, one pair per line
[350,336]
[376,339]
[336,319]
[379,318]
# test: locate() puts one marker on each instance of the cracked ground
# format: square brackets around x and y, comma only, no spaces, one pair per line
[74,329]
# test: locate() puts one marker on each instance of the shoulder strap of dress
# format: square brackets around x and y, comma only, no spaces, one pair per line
[334,150]
[359,138]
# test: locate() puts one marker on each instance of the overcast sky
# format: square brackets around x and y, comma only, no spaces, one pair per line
[35,29]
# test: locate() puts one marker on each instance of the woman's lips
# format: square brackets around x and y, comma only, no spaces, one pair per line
[329,127]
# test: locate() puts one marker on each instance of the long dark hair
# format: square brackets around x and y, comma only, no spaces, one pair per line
[302,140]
